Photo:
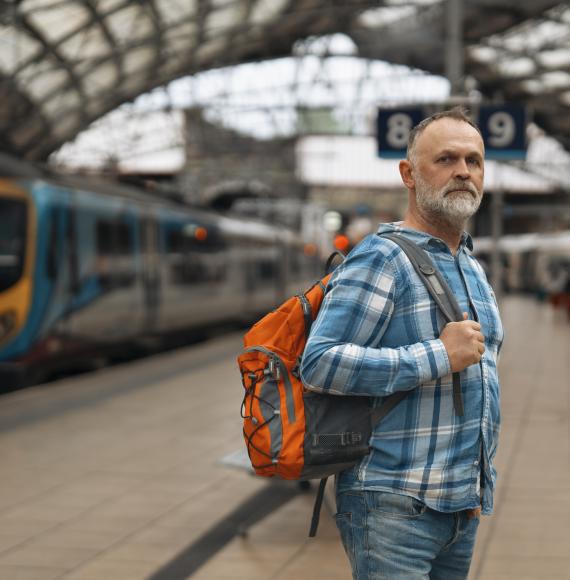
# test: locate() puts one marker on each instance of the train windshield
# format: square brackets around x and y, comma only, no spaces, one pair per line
[12,241]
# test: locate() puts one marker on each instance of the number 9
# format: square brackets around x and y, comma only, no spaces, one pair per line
[502,129]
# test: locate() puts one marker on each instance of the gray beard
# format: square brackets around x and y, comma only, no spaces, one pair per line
[453,210]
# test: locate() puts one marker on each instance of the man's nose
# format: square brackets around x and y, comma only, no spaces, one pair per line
[462,169]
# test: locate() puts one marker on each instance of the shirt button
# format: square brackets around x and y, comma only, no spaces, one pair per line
[476,462]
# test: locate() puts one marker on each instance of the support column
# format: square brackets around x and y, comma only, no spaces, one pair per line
[497,232]
[454,49]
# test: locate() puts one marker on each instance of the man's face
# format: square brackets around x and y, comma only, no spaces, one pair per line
[448,171]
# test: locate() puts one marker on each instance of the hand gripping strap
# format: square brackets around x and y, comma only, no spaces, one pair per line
[440,292]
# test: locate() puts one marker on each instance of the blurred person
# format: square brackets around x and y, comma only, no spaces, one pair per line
[410,509]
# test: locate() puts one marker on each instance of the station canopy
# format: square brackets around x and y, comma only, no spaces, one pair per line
[66,63]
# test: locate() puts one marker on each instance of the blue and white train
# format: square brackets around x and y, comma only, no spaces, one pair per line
[87,266]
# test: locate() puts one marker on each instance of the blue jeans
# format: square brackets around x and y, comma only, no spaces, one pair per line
[388,536]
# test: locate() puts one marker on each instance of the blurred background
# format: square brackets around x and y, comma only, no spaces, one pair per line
[170,170]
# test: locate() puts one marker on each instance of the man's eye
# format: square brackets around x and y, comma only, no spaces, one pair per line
[443,159]
[474,161]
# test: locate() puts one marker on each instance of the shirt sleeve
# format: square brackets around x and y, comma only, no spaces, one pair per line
[355,313]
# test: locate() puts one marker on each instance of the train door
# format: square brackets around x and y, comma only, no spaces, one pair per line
[150,272]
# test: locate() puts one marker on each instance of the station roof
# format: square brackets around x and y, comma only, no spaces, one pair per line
[65,63]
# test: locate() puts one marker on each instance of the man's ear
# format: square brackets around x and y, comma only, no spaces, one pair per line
[406,174]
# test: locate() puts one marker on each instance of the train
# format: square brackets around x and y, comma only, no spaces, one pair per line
[534,263]
[89,267]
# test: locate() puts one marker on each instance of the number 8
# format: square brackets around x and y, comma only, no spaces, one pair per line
[399,127]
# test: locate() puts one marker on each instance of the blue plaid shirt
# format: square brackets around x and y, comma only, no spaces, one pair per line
[376,333]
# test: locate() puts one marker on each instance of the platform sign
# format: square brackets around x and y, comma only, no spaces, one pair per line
[393,129]
[503,128]
[504,131]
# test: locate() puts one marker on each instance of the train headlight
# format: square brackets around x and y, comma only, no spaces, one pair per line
[7,323]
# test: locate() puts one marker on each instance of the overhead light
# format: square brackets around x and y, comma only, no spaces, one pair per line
[483,54]
[556,80]
[532,87]
[565,98]
[559,58]
[517,68]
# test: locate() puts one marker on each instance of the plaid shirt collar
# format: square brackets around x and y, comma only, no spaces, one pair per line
[425,240]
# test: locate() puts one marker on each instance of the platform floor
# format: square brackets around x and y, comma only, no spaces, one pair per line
[118,475]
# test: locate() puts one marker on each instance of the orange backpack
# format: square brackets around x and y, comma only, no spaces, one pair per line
[273,408]
[294,433]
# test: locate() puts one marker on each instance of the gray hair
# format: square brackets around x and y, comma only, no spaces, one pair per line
[457,113]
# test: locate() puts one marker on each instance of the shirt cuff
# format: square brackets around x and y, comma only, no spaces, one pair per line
[433,362]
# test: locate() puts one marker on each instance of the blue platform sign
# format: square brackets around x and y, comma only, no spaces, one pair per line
[503,128]
[393,130]
[504,131]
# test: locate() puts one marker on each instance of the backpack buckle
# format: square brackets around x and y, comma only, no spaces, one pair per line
[272,369]
[296,371]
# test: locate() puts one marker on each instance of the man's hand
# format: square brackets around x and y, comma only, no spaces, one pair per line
[463,342]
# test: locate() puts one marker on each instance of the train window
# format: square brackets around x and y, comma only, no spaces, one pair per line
[116,266]
[266,270]
[53,251]
[175,242]
[193,238]
[12,241]
[195,255]
[72,249]
[114,238]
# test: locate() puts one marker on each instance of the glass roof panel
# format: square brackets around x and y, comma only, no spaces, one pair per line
[266,10]
[27,132]
[60,20]
[173,11]
[211,48]
[38,5]
[105,6]
[225,18]
[101,79]
[61,126]
[138,58]
[62,103]
[83,34]
[382,16]
[221,3]
[130,24]
[15,49]
[87,45]
[42,85]
[178,45]
[43,79]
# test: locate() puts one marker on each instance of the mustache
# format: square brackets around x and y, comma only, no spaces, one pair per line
[461,186]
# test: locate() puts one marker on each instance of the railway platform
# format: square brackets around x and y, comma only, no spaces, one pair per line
[131,473]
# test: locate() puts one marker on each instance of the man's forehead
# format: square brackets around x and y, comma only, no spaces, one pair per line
[448,133]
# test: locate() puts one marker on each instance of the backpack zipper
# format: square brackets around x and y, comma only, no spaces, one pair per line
[278,369]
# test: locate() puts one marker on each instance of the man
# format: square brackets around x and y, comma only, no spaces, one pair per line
[410,509]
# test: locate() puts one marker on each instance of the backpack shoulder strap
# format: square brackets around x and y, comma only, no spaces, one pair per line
[431,277]
[445,299]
